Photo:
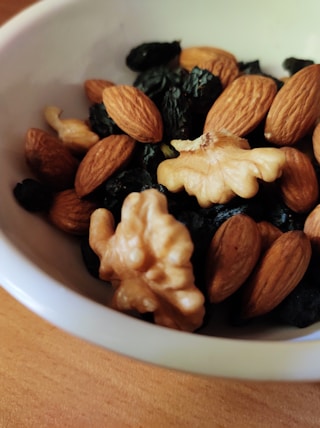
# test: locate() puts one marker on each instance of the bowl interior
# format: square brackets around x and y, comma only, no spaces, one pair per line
[46,53]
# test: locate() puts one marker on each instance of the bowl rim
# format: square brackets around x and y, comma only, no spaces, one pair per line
[84,318]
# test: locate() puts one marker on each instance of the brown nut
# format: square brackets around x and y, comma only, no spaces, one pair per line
[295,108]
[269,233]
[94,89]
[242,105]
[134,112]
[193,56]
[49,160]
[298,182]
[233,253]
[279,271]
[71,214]
[312,228]
[101,161]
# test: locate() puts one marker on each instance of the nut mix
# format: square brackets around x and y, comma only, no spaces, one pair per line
[197,184]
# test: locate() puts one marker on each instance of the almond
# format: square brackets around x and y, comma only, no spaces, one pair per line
[278,272]
[94,88]
[316,142]
[70,213]
[295,108]
[134,112]
[225,67]
[242,105]
[298,183]
[233,253]
[50,161]
[312,228]
[101,161]
[193,56]
[269,233]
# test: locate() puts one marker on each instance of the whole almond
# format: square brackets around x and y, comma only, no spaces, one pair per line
[70,213]
[193,56]
[94,89]
[226,68]
[298,182]
[316,142]
[278,272]
[50,161]
[269,233]
[101,161]
[295,108]
[242,105]
[134,112]
[312,228]
[232,255]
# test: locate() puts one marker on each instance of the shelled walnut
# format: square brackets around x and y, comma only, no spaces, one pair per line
[147,260]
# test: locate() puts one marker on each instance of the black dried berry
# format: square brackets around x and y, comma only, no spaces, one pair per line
[176,114]
[302,307]
[152,54]
[253,67]
[155,81]
[101,123]
[203,88]
[89,257]
[293,65]
[283,217]
[32,195]
[118,187]
[148,156]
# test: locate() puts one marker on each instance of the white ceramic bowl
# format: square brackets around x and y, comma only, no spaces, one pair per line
[45,54]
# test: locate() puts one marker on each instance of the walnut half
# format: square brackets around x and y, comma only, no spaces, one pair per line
[218,166]
[147,260]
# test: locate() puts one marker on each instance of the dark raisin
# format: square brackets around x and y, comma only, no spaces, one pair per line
[148,156]
[155,81]
[100,122]
[301,307]
[177,115]
[253,67]
[118,187]
[90,259]
[292,65]
[152,54]
[203,89]
[283,217]
[32,195]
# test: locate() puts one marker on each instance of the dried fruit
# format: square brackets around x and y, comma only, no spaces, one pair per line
[101,123]
[134,112]
[232,255]
[152,54]
[32,195]
[295,108]
[242,105]
[71,214]
[279,271]
[51,162]
[298,182]
[101,161]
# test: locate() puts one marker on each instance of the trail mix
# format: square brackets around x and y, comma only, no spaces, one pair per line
[196,185]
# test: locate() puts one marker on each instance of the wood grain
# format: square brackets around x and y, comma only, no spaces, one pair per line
[51,379]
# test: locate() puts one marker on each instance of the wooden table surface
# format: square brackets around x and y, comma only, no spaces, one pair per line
[50,379]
